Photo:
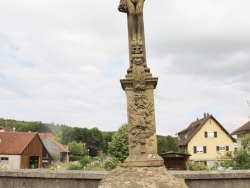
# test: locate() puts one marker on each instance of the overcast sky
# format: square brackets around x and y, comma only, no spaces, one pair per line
[61,61]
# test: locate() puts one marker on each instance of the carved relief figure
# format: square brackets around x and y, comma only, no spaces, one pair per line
[134,8]
[137,55]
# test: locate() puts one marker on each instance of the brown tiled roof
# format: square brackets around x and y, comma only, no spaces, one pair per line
[44,135]
[51,137]
[194,127]
[15,142]
[244,128]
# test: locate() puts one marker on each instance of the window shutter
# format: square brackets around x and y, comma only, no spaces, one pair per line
[204,149]
[227,148]
[217,148]
[195,149]
[206,134]
[215,134]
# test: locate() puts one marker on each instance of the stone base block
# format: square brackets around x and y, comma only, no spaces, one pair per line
[143,160]
[141,177]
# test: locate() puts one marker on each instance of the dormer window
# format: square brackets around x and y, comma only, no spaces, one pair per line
[186,135]
[210,134]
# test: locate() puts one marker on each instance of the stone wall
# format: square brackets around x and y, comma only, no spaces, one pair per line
[39,178]
[221,179]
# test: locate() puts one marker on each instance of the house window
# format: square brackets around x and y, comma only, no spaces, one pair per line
[222,148]
[186,135]
[210,134]
[200,149]
[4,160]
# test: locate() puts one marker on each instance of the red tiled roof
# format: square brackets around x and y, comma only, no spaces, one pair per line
[15,142]
[244,128]
[44,135]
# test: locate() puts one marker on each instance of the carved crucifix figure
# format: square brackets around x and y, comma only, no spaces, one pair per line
[134,8]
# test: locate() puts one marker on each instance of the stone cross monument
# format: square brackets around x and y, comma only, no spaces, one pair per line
[139,86]
[143,167]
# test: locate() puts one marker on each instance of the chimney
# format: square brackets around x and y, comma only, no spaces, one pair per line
[204,114]
[207,114]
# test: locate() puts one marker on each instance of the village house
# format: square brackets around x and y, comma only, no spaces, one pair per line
[242,133]
[22,150]
[56,149]
[206,140]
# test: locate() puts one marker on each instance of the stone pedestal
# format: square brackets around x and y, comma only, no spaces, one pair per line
[139,86]
[141,177]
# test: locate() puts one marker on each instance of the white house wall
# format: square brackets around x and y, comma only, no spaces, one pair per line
[14,162]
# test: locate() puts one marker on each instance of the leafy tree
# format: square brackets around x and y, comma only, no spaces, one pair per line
[167,143]
[171,143]
[67,135]
[43,128]
[242,157]
[77,149]
[107,137]
[81,134]
[246,143]
[242,160]
[21,126]
[161,144]
[118,147]
[92,136]
[95,137]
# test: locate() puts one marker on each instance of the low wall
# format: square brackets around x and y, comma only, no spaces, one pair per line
[39,178]
[212,179]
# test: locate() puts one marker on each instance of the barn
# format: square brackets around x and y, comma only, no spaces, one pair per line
[22,150]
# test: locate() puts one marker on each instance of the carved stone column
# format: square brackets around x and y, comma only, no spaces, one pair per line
[139,86]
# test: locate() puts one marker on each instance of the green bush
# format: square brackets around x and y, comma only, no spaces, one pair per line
[197,167]
[111,163]
[242,160]
[75,167]
[85,160]
[75,158]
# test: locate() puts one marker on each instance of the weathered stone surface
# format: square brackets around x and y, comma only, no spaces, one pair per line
[40,178]
[141,177]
